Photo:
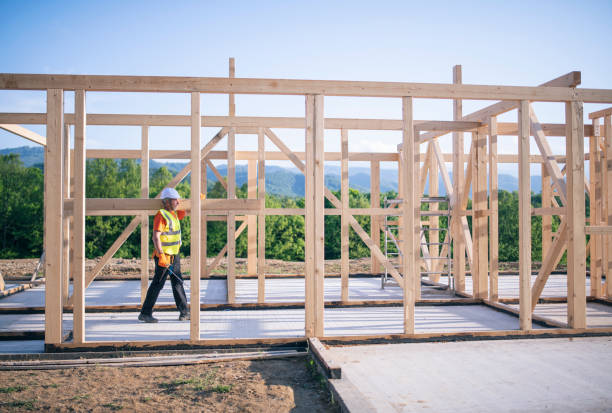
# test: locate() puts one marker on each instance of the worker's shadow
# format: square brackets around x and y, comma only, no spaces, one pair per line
[301,381]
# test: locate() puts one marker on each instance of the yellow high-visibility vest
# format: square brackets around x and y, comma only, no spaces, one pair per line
[171,236]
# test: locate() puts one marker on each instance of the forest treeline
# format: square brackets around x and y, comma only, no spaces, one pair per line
[21,224]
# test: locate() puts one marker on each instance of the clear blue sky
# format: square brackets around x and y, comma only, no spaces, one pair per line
[497,42]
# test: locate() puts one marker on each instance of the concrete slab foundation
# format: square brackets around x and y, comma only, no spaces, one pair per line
[552,375]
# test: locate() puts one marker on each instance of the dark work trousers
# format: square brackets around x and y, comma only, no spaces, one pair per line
[158,283]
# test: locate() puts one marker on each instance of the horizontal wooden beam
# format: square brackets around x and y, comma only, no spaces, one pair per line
[548,211]
[136,206]
[600,113]
[249,124]
[280,156]
[598,229]
[16,81]
[569,80]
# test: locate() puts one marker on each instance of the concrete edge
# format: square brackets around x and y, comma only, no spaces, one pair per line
[348,396]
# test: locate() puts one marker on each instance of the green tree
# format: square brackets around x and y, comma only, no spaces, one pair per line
[21,223]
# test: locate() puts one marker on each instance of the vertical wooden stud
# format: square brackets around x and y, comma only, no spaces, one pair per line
[416,198]
[231,217]
[607,193]
[524,217]
[400,194]
[546,203]
[434,221]
[595,268]
[576,248]
[314,217]
[204,223]
[344,230]
[458,165]
[78,269]
[319,198]
[66,229]
[261,228]
[479,220]
[54,213]
[144,224]
[309,217]
[375,219]
[410,211]
[252,219]
[196,215]
[232,99]
[494,207]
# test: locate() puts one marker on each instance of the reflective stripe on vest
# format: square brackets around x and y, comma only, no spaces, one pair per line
[171,237]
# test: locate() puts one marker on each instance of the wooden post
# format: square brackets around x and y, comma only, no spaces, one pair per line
[401,195]
[479,220]
[434,221]
[314,217]
[78,269]
[309,217]
[66,223]
[319,202]
[595,205]
[410,211]
[524,217]
[414,160]
[144,224]
[232,99]
[375,219]
[607,172]
[231,217]
[261,217]
[54,214]
[344,225]
[494,208]
[196,215]
[458,165]
[546,219]
[576,250]
[204,224]
[252,219]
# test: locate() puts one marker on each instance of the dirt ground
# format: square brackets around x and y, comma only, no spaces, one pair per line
[283,385]
[22,269]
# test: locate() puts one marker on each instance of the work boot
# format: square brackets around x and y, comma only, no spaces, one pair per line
[185,317]
[147,318]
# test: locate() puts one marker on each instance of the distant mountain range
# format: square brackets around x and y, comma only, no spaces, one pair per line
[288,181]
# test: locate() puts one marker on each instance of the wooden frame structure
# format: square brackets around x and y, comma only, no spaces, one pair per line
[66,205]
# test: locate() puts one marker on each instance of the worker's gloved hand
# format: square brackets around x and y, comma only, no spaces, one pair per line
[164,260]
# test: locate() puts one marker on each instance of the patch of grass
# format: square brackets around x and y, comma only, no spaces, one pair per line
[12,389]
[315,374]
[52,385]
[24,404]
[202,383]
[146,399]
[113,406]
[80,397]
[222,388]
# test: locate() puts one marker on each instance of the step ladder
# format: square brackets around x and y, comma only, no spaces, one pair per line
[393,250]
[437,236]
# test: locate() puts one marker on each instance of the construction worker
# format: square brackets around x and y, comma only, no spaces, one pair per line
[167,242]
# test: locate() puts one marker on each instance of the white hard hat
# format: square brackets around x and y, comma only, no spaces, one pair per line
[170,193]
